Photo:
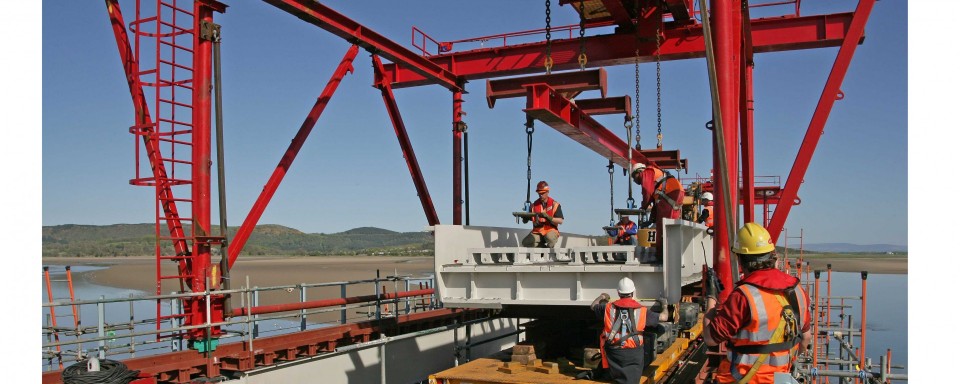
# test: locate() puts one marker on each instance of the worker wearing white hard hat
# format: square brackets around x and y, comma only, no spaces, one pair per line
[706,215]
[662,195]
[621,342]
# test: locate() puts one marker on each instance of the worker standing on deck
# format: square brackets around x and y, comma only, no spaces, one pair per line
[706,215]
[623,234]
[763,321]
[621,343]
[547,216]
[663,192]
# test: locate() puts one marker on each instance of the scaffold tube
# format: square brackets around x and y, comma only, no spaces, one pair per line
[326,303]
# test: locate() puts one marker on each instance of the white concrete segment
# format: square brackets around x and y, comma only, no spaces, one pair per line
[485,267]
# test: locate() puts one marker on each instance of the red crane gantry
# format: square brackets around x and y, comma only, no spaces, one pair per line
[184,45]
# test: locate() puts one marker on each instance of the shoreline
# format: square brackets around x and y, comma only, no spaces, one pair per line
[139,272]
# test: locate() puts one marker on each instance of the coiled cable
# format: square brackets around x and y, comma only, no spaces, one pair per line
[111,372]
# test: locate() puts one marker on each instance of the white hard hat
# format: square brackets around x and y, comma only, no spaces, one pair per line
[638,167]
[707,196]
[625,287]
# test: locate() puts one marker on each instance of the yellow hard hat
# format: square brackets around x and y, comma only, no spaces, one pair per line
[753,239]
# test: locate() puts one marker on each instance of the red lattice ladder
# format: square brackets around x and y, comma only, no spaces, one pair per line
[164,39]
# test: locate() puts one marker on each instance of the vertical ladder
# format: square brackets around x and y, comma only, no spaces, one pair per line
[163,45]
[53,312]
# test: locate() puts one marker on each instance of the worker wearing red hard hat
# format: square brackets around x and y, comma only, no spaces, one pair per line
[662,191]
[547,216]
[764,322]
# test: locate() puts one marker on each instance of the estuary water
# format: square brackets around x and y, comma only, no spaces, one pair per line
[886,314]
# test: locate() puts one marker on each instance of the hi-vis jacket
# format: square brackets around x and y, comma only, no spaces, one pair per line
[542,225]
[754,339]
[620,319]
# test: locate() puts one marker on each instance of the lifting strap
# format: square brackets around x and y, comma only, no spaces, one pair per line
[789,329]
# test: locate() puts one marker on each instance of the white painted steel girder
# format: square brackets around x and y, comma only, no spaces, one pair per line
[485,267]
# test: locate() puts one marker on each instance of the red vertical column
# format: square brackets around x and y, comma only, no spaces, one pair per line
[202,75]
[457,158]
[746,141]
[726,21]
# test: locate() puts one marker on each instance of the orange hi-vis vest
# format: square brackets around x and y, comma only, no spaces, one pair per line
[622,232]
[620,319]
[755,339]
[542,225]
[669,189]
[709,209]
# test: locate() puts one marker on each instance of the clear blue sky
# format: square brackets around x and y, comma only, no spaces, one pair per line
[351,171]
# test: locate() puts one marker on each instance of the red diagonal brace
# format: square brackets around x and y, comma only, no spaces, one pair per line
[243,234]
[546,105]
[355,33]
[819,120]
[408,154]
[142,116]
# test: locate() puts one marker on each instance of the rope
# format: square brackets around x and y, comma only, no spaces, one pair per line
[111,372]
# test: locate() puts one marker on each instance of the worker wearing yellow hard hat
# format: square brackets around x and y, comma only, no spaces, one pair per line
[765,321]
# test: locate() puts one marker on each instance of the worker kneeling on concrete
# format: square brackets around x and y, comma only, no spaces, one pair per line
[763,321]
[621,343]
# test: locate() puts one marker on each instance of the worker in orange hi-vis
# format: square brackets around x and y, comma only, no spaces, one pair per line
[663,192]
[706,215]
[547,216]
[765,321]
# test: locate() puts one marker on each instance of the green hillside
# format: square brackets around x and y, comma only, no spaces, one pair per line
[139,240]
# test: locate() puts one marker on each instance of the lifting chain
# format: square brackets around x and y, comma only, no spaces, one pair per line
[610,171]
[582,58]
[636,74]
[630,201]
[659,121]
[529,129]
[548,61]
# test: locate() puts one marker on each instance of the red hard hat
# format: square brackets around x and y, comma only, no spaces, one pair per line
[542,186]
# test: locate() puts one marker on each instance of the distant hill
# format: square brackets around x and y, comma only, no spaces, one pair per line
[268,239]
[854,248]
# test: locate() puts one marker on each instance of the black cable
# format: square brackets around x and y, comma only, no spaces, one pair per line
[111,372]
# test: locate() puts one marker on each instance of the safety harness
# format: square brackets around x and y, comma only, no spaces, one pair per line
[625,326]
[673,203]
[785,337]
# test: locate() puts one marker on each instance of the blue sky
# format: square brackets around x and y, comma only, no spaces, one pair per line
[351,172]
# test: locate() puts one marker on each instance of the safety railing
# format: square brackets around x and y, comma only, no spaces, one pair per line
[420,40]
[262,311]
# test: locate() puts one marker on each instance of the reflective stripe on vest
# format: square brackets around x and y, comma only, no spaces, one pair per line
[765,316]
[617,324]
[551,210]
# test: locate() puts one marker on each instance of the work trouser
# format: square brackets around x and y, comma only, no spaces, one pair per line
[626,365]
[537,240]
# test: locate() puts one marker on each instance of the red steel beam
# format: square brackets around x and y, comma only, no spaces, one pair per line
[726,21]
[768,35]
[355,33]
[548,106]
[606,106]
[570,84]
[617,11]
[243,234]
[144,124]
[408,154]
[831,90]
